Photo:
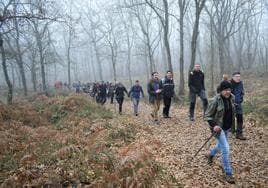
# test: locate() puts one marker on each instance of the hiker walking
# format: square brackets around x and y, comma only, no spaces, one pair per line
[238,92]
[134,93]
[221,117]
[101,97]
[119,95]
[154,92]
[167,86]
[111,91]
[197,88]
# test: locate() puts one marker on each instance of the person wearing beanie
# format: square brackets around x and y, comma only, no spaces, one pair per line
[238,92]
[221,117]
[197,88]
[224,77]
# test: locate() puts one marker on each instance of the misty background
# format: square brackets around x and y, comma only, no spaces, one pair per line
[44,41]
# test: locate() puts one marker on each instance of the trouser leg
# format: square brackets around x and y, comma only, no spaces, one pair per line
[223,146]
[167,102]
[135,104]
[204,99]
[112,99]
[239,120]
[192,104]
[156,109]
[120,102]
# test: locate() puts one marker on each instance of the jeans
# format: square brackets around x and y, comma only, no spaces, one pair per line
[135,102]
[203,96]
[223,146]
[167,102]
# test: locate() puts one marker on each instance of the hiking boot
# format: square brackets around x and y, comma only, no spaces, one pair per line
[210,159]
[240,137]
[191,118]
[156,121]
[165,116]
[229,178]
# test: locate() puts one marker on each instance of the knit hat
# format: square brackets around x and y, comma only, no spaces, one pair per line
[224,85]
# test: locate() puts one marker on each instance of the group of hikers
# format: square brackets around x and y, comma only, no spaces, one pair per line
[220,113]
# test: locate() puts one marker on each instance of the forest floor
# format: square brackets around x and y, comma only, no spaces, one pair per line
[71,141]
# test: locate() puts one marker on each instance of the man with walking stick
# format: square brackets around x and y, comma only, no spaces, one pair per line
[221,117]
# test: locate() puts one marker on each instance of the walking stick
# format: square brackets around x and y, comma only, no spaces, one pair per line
[213,134]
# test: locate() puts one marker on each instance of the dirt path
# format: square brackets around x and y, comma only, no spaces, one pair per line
[180,139]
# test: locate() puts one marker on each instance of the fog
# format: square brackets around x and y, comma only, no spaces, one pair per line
[125,40]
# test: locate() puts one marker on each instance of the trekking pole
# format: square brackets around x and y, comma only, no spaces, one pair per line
[213,134]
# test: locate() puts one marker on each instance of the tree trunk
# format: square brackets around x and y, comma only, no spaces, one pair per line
[146,65]
[150,54]
[98,60]
[129,60]
[182,82]
[212,91]
[42,64]
[4,65]
[69,56]
[166,40]
[199,5]
[230,61]
[221,56]
[113,63]
[193,42]
[33,75]
[91,62]
[19,58]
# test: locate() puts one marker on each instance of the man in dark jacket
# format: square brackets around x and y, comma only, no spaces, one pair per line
[134,93]
[119,95]
[101,97]
[197,88]
[167,86]
[221,117]
[238,92]
[111,90]
[154,92]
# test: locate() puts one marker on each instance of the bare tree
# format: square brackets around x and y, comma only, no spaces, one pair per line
[91,26]
[199,5]
[16,48]
[127,21]
[110,32]
[150,39]
[225,16]
[6,17]
[163,16]
[183,4]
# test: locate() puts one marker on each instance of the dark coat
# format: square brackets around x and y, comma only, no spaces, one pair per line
[196,81]
[238,91]
[167,86]
[215,111]
[152,86]
[119,92]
